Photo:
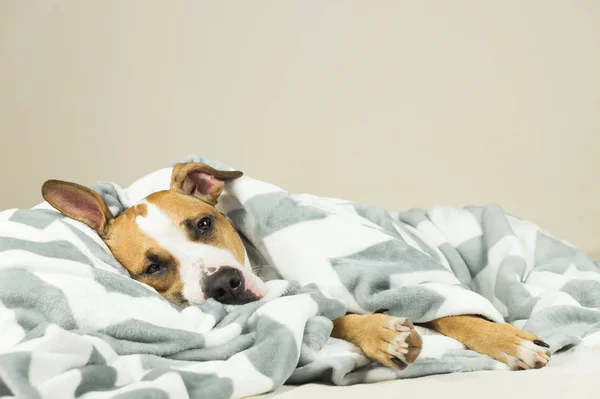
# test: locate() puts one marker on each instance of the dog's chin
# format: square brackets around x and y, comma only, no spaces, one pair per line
[247,297]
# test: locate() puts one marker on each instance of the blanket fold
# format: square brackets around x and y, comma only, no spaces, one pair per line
[74,324]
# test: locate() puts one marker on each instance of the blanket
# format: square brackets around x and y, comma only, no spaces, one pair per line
[74,324]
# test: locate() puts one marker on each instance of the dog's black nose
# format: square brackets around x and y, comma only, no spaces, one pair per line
[226,285]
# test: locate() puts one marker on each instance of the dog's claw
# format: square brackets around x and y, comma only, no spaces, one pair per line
[398,362]
[541,343]
[386,339]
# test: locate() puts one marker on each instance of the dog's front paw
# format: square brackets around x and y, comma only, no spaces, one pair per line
[389,340]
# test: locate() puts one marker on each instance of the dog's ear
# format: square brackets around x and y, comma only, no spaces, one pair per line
[201,181]
[79,203]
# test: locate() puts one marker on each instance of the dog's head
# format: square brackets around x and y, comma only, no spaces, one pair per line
[176,241]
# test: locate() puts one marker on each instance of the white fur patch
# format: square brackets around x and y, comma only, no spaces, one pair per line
[528,354]
[193,257]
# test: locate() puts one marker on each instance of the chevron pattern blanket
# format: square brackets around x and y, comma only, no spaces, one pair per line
[73,324]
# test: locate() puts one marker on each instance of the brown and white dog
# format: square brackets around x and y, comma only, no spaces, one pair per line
[177,242]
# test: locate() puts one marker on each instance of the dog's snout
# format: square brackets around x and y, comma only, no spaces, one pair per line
[226,285]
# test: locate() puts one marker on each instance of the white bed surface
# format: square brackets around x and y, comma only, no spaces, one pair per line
[571,374]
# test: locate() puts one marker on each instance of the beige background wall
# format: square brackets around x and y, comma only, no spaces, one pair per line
[398,103]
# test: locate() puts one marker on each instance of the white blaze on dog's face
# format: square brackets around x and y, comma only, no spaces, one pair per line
[176,241]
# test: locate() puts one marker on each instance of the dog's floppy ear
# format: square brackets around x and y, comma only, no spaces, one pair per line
[200,180]
[79,203]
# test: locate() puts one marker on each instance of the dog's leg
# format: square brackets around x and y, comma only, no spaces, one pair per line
[389,340]
[503,342]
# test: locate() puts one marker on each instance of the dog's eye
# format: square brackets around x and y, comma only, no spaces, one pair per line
[205,224]
[154,268]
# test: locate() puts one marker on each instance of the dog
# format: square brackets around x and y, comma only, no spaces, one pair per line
[177,242]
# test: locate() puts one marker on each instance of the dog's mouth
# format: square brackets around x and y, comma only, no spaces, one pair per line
[230,286]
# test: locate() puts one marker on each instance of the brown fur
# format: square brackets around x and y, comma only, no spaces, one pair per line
[483,336]
[182,180]
[181,207]
[129,245]
[78,202]
[373,335]
[185,203]
[132,253]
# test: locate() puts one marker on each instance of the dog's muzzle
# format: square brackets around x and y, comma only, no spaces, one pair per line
[227,285]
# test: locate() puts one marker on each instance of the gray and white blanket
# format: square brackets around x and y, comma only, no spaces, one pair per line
[73,324]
